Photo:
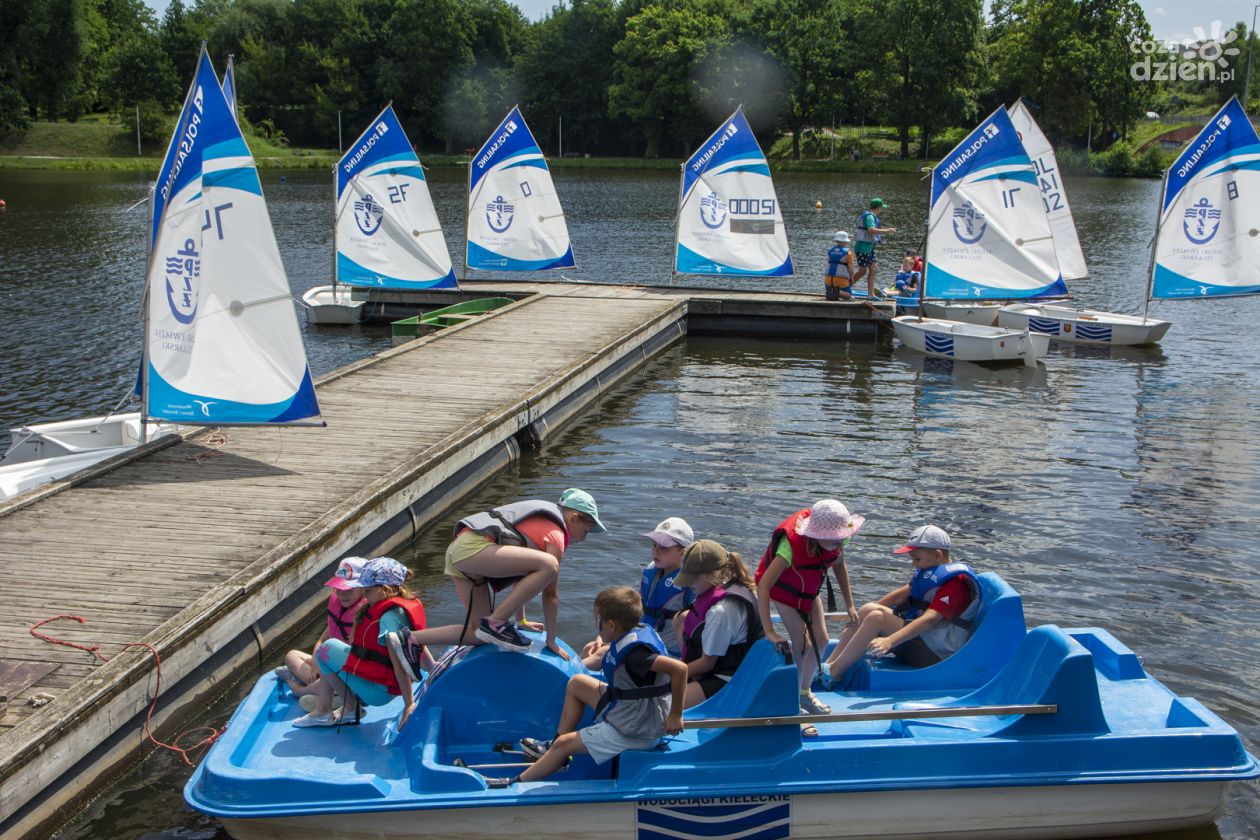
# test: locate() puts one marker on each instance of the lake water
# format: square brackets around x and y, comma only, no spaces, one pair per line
[1115,489]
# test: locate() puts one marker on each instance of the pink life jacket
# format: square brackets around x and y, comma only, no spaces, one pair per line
[340,619]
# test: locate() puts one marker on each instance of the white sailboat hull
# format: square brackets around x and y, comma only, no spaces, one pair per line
[983,314]
[329,305]
[970,342]
[1082,326]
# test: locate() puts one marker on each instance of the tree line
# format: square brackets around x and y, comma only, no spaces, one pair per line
[614,77]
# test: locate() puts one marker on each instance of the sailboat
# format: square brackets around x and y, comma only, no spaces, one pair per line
[1059,320]
[988,237]
[514,220]
[221,341]
[229,86]
[729,220]
[386,233]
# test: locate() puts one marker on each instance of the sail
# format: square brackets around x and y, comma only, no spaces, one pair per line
[515,222]
[229,86]
[388,234]
[1067,245]
[729,219]
[988,235]
[222,344]
[1208,242]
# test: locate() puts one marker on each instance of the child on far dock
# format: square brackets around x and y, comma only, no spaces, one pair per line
[907,280]
[840,267]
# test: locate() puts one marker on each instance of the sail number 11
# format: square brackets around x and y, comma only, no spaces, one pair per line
[1008,197]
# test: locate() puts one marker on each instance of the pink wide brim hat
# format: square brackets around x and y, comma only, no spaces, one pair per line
[830,521]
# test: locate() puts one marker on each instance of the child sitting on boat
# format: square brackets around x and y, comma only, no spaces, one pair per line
[923,622]
[907,279]
[299,671]
[519,545]
[370,669]
[803,548]
[639,701]
[662,597]
[721,626]
[840,267]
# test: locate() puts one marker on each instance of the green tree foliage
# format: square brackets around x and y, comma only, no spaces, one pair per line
[54,40]
[13,105]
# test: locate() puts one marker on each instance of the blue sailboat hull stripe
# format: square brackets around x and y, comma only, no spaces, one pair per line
[351,273]
[943,344]
[1049,326]
[1093,332]
[484,258]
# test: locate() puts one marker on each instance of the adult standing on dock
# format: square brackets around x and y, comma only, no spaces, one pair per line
[868,235]
[519,545]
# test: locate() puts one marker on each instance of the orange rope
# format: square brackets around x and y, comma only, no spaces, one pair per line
[95,650]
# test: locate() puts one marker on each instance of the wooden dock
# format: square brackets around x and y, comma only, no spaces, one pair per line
[213,547]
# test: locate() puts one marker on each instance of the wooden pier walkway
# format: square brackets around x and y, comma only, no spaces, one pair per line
[213,547]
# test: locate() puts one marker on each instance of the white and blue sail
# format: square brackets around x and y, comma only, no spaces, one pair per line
[989,237]
[229,86]
[515,221]
[222,344]
[729,219]
[1208,241]
[1067,245]
[387,231]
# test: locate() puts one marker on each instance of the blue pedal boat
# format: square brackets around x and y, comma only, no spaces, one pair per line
[1023,733]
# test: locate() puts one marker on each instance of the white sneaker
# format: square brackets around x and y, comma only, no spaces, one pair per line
[308,702]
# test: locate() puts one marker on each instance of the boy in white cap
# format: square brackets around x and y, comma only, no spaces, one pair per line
[923,622]
[839,276]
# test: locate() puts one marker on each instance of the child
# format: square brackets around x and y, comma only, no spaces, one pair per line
[662,597]
[518,545]
[370,669]
[923,622]
[721,626]
[792,571]
[630,706]
[869,233]
[907,280]
[344,603]
[839,276]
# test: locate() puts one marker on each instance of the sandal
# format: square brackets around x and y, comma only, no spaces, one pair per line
[811,705]
[808,730]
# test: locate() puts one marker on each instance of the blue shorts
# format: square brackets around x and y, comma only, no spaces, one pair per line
[864,258]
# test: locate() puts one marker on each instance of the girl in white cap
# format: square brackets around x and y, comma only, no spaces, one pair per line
[802,549]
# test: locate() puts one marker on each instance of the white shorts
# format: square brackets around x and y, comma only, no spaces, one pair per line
[603,741]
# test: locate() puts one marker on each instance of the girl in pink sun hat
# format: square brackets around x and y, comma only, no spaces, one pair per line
[793,568]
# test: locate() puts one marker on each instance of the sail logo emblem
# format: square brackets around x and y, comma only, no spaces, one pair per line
[183,276]
[368,215]
[499,214]
[1202,222]
[990,130]
[712,211]
[972,223]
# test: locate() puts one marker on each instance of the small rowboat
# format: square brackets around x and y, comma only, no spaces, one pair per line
[448,316]
[1021,734]
[984,313]
[970,342]
[1084,326]
[332,305]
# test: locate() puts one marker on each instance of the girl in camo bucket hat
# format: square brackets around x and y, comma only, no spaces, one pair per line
[803,548]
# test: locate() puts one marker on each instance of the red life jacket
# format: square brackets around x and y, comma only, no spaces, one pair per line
[340,619]
[368,657]
[801,582]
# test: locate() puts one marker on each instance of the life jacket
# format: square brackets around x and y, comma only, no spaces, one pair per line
[340,619]
[863,233]
[838,266]
[499,525]
[925,582]
[801,582]
[918,265]
[693,631]
[620,686]
[657,590]
[368,658]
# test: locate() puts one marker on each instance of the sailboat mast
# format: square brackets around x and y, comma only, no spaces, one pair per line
[144,344]
[1150,273]
[336,200]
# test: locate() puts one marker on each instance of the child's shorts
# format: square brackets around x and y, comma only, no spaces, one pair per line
[915,653]
[461,548]
[603,741]
[864,258]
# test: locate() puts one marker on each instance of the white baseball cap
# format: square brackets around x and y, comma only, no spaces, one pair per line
[674,531]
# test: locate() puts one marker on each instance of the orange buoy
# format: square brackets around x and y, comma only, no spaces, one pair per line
[817,205]
[2,204]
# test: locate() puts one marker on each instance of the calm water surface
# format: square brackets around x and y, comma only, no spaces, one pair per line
[1115,489]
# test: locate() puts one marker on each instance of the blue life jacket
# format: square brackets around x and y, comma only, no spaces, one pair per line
[837,266]
[923,588]
[615,660]
[906,278]
[657,590]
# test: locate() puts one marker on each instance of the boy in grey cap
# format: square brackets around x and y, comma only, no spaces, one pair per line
[921,623]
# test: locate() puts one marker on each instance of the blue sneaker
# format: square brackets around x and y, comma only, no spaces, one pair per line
[504,636]
[408,653]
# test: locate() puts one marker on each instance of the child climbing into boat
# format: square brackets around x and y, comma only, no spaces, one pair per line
[370,669]
[299,671]
[839,276]
[907,279]
[923,622]
[721,626]
[662,597]
[803,548]
[639,701]
[519,545]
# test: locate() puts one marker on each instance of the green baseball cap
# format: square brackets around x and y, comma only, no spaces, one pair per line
[877,203]
[582,502]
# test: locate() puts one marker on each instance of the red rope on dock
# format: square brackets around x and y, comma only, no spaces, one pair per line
[95,650]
